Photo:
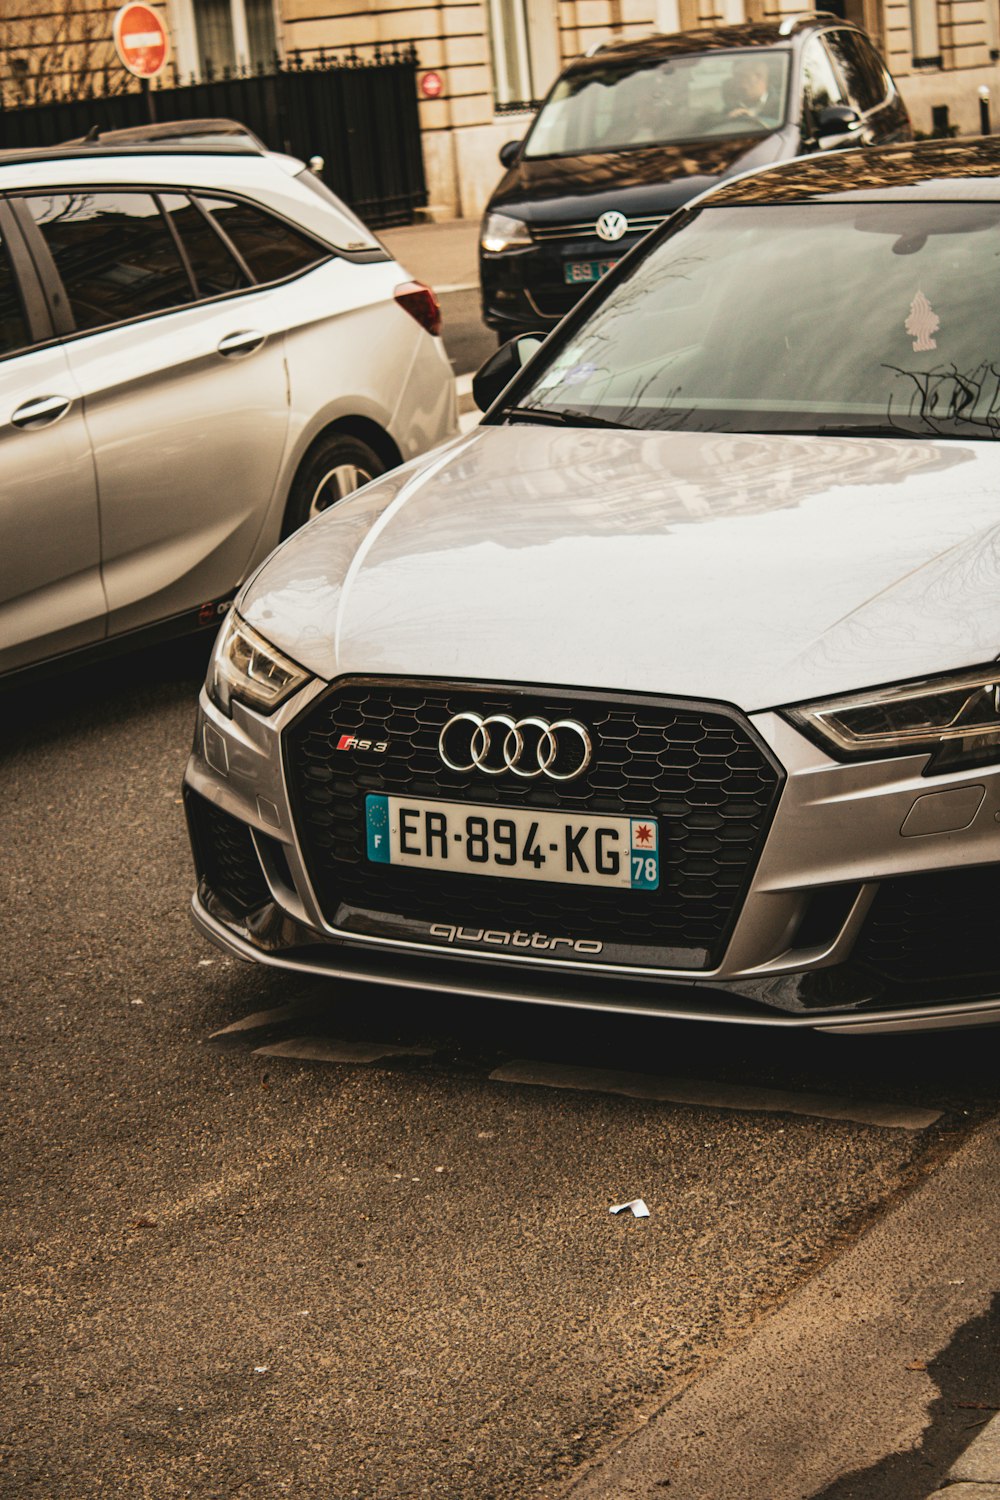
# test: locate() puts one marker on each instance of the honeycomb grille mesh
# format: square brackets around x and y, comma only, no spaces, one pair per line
[226,857]
[927,927]
[699,771]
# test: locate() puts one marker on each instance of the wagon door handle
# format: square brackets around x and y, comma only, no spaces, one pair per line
[41,412]
[247,342]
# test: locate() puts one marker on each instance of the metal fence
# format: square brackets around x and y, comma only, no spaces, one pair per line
[359,114]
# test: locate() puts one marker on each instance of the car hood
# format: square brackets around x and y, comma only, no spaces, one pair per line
[655,179]
[759,570]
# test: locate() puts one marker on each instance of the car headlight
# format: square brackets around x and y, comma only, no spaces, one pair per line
[956,719]
[502,232]
[246,667]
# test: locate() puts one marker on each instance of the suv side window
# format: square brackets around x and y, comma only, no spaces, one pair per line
[271,249]
[13,327]
[865,81]
[114,252]
[821,87]
[213,266]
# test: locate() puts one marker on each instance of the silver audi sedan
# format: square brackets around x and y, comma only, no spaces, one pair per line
[200,349]
[673,688]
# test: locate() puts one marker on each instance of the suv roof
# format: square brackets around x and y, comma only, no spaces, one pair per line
[709,39]
[953,170]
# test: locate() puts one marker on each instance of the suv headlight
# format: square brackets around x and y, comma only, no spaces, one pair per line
[955,719]
[246,667]
[502,232]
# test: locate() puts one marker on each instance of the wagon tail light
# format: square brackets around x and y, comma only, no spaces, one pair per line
[421,303]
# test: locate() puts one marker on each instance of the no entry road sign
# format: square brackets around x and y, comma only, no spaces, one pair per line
[141,39]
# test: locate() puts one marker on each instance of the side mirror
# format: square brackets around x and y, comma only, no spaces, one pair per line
[499,370]
[509,153]
[836,126]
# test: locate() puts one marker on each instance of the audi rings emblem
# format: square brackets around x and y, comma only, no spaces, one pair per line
[527,747]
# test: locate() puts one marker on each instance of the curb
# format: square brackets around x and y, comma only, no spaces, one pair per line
[975,1475]
[834,1382]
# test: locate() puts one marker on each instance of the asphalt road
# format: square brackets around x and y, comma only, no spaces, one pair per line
[232,1272]
[467,339]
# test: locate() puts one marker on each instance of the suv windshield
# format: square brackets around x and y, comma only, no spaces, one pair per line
[610,107]
[812,318]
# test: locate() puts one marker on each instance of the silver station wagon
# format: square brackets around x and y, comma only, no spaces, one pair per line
[200,348]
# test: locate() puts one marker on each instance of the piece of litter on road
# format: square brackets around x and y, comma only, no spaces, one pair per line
[261,1369]
[917,1364]
[137,1002]
[205,963]
[637,1205]
[439,1169]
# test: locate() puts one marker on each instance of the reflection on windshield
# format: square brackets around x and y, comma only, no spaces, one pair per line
[611,107]
[850,319]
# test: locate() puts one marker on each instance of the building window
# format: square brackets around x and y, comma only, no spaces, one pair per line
[993,29]
[525,49]
[218,34]
[213,21]
[926,38]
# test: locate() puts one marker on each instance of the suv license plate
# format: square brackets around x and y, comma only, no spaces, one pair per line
[581,272]
[464,838]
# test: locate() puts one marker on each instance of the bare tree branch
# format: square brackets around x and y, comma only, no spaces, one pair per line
[58,49]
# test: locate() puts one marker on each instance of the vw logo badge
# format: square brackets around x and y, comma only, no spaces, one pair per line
[527,747]
[612,225]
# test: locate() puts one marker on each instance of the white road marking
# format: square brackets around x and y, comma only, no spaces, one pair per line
[330,1050]
[715,1095]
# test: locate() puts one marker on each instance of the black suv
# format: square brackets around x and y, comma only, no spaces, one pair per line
[633,131]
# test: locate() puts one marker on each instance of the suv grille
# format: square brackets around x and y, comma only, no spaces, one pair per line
[700,770]
[587,228]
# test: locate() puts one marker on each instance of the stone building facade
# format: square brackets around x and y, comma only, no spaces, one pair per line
[492,59]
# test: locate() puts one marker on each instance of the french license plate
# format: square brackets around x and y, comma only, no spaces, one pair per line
[467,839]
[581,272]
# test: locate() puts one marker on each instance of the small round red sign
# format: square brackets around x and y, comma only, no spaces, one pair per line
[141,39]
[431,85]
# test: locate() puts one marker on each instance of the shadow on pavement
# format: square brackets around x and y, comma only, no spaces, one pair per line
[967,1374]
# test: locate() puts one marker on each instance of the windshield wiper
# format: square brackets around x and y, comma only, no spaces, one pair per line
[555,418]
[871,429]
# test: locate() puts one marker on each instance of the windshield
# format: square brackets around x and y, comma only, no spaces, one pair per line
[802,318]
[613,108]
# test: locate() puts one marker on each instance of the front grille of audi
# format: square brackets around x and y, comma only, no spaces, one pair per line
[700,770]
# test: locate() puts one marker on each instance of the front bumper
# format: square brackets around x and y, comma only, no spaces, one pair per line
[527,290]
[865,910]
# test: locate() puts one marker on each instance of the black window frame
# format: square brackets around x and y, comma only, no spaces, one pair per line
[54,294]
[35,312]
[807,111]
[860,41]
[59,303]
[224,196]
[223,239]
